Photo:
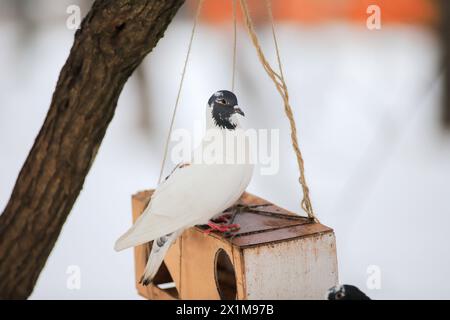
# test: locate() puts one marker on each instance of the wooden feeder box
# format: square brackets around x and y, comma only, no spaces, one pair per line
[274,255]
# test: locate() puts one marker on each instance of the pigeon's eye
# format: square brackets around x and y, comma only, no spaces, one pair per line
[222,101]
[339,295]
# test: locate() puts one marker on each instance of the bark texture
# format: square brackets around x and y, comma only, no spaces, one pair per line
[113,39]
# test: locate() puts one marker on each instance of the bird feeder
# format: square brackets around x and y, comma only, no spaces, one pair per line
[274,255]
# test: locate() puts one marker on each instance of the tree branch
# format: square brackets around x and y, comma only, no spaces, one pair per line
[113,39]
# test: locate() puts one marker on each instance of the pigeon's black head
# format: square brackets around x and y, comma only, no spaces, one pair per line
[224,105]
[346,292]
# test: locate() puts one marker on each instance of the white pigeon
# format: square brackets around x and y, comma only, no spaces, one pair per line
[195,193]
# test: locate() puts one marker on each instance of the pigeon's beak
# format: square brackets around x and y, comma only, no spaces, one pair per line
[239,111]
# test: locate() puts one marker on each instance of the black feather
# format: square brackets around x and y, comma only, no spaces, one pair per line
[346,292]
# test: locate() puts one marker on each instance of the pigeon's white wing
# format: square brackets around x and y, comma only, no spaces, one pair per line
[190,196]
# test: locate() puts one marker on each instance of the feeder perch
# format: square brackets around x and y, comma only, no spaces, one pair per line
[274,255]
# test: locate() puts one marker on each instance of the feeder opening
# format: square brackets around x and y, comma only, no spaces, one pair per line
[225,276]
[164,281]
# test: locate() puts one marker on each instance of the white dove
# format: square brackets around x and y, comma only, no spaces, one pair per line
[195,193]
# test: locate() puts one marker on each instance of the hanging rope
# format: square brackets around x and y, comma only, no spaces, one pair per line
[275,41]
[233,74]
[280,84]
[180,87]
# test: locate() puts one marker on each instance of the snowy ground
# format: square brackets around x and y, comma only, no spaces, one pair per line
[367,107]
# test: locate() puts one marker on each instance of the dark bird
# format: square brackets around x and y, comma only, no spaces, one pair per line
[346,292]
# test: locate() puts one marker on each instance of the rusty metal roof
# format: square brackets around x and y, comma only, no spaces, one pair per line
[262,222]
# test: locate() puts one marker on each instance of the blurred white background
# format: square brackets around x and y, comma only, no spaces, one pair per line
[367,105]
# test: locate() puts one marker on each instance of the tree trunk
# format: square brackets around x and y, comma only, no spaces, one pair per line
[113,39]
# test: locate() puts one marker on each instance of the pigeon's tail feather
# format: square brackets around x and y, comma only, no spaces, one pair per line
[147,227]
[159,249]
[128,240]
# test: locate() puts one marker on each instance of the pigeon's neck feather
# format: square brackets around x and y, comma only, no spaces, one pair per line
[211,124]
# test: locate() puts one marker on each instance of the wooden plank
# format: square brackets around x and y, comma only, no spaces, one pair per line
[301,269]
[283,234]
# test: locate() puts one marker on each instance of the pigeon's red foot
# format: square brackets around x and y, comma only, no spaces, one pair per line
[225,218]
[223,228]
